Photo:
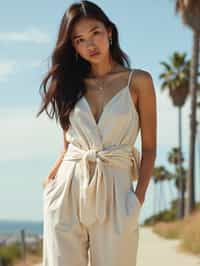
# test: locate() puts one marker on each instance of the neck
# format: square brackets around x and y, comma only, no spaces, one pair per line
[102,69]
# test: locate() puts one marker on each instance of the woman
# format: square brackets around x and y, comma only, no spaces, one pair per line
[101,103]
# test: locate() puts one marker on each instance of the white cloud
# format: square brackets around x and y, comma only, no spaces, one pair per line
[10,67]
[23,136]
[31,35]
[6,69]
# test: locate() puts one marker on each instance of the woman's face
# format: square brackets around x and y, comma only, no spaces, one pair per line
[90,39]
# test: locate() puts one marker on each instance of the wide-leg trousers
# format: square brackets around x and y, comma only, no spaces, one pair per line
[68,242]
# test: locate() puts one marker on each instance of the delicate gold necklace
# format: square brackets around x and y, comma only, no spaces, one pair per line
[100,88]
[101,91]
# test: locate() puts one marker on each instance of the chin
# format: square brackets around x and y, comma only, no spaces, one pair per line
[95,60]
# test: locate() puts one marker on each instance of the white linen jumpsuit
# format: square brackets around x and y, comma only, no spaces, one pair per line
[95,214]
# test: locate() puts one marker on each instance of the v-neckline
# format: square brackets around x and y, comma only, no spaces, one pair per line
[97,123]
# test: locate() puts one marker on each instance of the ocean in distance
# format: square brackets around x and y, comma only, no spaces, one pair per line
[12,227]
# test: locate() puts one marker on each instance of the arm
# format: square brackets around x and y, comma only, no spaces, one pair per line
[148,123]
[57,163]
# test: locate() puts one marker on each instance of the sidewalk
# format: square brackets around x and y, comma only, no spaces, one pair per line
[154,250]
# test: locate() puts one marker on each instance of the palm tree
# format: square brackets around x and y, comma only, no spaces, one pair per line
[190,12]
[160,174]
[176,81]
[174,158]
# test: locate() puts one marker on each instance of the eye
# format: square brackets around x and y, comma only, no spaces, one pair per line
[96,32]
[79,40]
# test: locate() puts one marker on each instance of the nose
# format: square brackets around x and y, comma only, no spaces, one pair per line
[90,45]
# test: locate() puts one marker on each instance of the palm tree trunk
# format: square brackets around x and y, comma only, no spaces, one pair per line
[190,199]
[181,191]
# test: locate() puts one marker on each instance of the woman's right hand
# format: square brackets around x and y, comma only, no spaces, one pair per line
[47,180]
[54,170]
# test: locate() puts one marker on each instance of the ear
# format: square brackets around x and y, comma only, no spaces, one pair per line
[109,30]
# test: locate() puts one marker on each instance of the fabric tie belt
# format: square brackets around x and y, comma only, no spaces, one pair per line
[93,192]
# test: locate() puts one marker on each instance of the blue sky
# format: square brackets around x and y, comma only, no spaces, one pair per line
[149,32]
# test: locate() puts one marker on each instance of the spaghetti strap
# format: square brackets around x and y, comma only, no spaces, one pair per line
[129,78]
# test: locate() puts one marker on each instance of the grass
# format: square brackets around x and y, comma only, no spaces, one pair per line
[8,254]
[11,255]
[187,230]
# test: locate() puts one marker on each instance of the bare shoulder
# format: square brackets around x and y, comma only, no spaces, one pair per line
[141,79]
[141,73]
[142,85]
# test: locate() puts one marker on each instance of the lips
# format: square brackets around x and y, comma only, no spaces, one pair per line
[94,53]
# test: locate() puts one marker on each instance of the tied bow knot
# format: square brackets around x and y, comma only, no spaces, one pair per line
[91,155]
[93,190]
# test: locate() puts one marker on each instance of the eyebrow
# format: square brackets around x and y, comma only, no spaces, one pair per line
[93,28]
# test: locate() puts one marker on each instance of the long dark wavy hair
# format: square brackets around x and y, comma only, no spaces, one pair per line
[63,85]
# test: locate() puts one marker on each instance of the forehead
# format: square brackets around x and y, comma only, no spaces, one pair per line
[84,25]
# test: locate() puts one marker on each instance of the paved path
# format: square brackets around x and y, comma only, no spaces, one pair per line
[154,250]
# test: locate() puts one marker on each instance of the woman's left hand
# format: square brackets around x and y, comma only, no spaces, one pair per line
[140,196]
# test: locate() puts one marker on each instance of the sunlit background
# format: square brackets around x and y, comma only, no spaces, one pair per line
[149,32]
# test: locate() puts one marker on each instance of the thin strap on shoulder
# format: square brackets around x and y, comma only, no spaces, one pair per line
[129,78]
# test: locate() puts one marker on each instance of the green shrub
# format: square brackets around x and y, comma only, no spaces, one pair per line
[9,253]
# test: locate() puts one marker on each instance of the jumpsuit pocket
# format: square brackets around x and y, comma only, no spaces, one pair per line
[53,182]
[137,200]
[133,207]
[55,189]
[49,186]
